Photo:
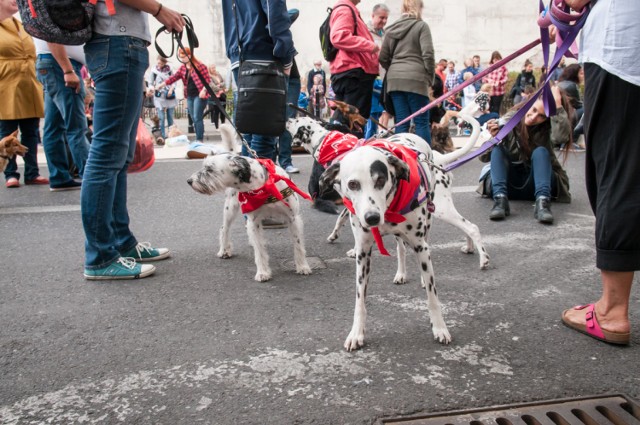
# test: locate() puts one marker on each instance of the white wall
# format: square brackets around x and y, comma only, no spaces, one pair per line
[460,28]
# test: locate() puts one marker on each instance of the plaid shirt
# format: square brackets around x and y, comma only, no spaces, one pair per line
[498,80]
[452,79]
[183,74]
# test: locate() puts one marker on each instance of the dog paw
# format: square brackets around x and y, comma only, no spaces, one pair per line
[305,270]
[466,249]
[484,263]
[351,253]
[353,343]
[224,254]
[441,335]
[262,277]
[332,237]
[400,279]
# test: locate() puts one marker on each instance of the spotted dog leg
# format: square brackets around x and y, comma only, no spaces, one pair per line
[364,243]
[231,209]
[257,240]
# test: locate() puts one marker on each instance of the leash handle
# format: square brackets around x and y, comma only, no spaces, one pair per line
[193,42]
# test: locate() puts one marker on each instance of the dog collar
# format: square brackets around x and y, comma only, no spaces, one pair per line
[268,193]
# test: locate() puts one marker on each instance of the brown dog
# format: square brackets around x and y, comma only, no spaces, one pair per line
[350,113]
[10,146]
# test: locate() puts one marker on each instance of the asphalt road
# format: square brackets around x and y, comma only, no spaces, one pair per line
[202,342]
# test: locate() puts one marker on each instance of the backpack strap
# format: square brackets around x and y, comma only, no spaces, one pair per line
[355,18]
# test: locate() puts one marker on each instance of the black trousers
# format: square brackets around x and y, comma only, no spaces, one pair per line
[611,107]
[355,88]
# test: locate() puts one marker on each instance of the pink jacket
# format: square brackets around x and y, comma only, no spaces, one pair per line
[354,51]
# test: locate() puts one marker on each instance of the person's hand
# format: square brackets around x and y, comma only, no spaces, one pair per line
[160,86]
[171,19]
[376,49]
[170,91]
[493,127]
[72,81]
[577,5]
[557,95]
[203,94]
[150,91]
[384,119]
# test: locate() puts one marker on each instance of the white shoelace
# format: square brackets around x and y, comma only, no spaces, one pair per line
[127,262]
[143,246]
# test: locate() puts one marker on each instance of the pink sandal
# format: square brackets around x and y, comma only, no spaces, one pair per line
[592,328]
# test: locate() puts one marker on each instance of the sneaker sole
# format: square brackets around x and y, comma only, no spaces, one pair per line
[157,258]
[138,276]
[63,189]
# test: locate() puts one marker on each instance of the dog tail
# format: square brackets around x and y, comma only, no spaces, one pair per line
[466,114]
[325,206]
[230,139]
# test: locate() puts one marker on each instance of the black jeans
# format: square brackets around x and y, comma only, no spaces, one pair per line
[355,88]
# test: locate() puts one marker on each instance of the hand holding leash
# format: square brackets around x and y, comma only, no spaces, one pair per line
[172,20]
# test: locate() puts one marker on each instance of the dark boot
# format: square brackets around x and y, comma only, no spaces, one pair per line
[500,208]
[542,211]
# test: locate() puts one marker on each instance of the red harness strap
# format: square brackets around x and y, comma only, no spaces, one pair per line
[254,199]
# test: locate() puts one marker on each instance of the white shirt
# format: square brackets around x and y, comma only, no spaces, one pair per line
[611,38]
[73,52]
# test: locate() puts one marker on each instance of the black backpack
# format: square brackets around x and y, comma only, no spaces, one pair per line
[328,51]
[66,22]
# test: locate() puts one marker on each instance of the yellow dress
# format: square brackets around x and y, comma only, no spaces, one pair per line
[21,92]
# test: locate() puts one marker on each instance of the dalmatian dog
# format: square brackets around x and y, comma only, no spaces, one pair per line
[311,135]
[264,190]
[372,177]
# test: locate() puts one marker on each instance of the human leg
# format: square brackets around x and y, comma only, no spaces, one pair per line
[284,144]
[612,189]
[198,121]
[499,180]
[117,65]
[403,110]
[11,171]
[495,103]
[422,121]
[161,120]
[30,137]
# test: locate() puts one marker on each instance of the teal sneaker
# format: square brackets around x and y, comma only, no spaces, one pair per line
[122,268]
[143,252]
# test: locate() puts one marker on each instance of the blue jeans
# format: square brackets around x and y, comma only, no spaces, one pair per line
[482,119]
[30,137]
[63,119]
[117,65]
[520,181]
[161,117]
[371,128]
[285,140]
[196,106]
[405,104]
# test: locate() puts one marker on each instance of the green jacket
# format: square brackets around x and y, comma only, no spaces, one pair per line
[559,126]
[407,55]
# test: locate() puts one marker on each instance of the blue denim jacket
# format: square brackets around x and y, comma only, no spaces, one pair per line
[264,31]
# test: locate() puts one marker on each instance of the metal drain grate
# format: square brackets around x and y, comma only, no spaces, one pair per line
[605,410]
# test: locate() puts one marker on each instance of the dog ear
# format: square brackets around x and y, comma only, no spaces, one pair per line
[329,177]
[402,169]
[14,134]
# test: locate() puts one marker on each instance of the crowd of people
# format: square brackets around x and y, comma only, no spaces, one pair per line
[91,121]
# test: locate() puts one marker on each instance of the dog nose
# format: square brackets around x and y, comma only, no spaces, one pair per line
[372,218]
[190,181]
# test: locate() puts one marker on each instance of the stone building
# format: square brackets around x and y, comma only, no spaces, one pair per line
[460,28]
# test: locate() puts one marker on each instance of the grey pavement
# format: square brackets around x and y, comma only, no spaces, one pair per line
[202,342]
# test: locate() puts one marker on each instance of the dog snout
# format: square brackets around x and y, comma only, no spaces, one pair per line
[190,181]
[372,218]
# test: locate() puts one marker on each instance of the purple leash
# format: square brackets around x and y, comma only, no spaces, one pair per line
[566,36]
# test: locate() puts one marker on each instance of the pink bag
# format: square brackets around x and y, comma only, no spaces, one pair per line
[144,157]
